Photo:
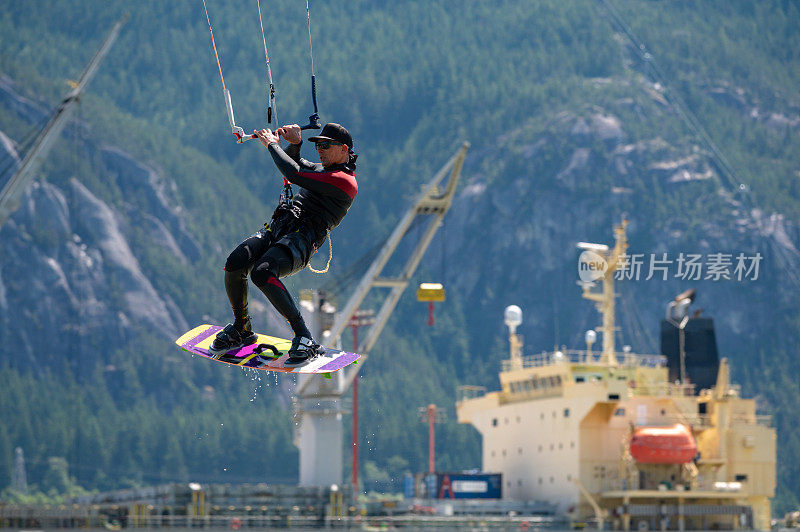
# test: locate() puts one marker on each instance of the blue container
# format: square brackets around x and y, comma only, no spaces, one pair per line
[469,486]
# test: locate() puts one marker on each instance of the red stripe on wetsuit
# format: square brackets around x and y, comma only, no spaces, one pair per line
[275,281]
[341,180]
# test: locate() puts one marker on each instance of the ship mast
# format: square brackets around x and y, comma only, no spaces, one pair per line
[610,260]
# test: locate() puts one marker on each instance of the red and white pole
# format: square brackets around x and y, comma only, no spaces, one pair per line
[355,417]
[431,439]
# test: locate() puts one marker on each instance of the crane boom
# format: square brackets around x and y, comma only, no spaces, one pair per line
[11,194]
[430,201]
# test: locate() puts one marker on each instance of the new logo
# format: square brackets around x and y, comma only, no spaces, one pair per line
[591,266]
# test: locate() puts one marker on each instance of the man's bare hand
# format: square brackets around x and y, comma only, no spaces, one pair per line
[266,136]
[291,133]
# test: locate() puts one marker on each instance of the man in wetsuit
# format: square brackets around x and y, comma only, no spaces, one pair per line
[286,244]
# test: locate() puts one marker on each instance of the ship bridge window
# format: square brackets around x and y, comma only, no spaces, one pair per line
[580,378]
[741,478]
[566,412]
[494,422]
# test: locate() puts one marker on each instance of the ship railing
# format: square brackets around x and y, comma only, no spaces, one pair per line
[695,421]
[615,484]
[700,421]
[575,356]
[670,389]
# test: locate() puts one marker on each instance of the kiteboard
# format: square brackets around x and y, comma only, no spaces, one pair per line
[267,353]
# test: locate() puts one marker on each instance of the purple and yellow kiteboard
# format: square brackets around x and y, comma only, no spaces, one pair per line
[268,353]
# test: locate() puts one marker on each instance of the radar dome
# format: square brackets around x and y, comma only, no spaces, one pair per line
[513,316]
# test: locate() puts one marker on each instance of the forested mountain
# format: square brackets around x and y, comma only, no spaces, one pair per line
[119,243]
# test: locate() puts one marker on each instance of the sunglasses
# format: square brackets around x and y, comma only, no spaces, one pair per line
[325,144]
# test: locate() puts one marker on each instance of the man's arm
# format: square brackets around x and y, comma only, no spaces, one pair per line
[315,178]
[293,135]
[287,165]
[293,151]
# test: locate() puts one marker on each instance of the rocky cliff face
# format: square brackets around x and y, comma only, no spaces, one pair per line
[571,181]
[70,278]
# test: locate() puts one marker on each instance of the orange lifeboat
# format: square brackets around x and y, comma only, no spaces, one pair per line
[663,445]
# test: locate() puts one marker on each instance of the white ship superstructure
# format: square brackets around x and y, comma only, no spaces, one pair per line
[560,430]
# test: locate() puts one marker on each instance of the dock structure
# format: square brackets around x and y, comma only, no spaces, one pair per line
[191,505]
[220,507]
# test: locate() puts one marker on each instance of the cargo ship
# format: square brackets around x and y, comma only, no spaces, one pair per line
[627,440]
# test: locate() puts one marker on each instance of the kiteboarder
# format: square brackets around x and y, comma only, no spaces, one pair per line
[298,227]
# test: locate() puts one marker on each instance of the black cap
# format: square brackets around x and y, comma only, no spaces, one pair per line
[335,132]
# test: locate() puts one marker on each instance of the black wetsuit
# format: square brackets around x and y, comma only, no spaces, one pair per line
[285,245]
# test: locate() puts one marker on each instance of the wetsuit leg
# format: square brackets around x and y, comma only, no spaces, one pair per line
[238,266]
[275,263]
